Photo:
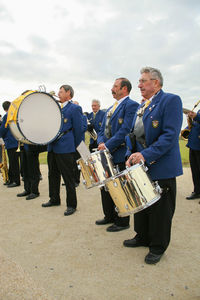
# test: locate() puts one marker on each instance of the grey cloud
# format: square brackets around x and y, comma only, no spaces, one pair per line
[5,14]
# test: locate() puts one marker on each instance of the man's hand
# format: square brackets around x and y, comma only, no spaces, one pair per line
[192,114]
[134,159]
[101,146]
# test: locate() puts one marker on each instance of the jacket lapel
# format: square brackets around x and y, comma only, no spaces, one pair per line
[153,104]
[119,107]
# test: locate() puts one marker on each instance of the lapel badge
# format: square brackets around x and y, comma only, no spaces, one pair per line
[120,121]
[65,120]
[99,123]
[155,123]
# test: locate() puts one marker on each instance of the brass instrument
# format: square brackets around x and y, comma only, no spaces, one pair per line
[92,131]
[3,164]
[185,132]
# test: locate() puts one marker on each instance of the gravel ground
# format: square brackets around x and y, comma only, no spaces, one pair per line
[46,255]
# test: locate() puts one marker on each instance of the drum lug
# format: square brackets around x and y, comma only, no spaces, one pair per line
[79,167]
[116,209]
[105,188]
[144,167]
[157,187]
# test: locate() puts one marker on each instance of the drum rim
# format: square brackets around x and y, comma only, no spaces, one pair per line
[59,132]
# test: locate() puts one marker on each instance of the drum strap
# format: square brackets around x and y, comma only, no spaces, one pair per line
[63,133]
[139,127]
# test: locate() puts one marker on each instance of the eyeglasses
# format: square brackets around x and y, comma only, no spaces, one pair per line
[145,80]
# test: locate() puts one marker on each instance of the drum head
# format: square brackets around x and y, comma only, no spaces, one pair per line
[39,118]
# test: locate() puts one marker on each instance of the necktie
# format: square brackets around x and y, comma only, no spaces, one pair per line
[114,106]
[61,105]
[147,102]
[94,115]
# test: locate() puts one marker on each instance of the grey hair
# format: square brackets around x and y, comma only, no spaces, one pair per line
[155,73]
[96,101]
[67,87]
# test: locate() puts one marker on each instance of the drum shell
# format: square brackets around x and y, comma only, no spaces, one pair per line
[101,164]
[88,177]
[132,190]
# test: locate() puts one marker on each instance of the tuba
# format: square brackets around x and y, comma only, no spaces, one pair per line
[185,132]
[3,163]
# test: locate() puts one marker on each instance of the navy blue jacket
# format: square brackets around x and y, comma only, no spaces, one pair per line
[73,124]
[162,123]
[120,121]
[6,135]
[96,122]
[194,135]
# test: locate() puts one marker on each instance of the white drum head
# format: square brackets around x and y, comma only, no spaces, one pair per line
[39,118]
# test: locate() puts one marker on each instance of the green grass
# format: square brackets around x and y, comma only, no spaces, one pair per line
[183,149]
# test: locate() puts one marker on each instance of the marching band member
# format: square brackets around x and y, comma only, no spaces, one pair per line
[194,153]
[11,145]
[156,127]
[95,119]
[116,125]
[61,152]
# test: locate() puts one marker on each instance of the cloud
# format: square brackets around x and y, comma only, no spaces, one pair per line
[89,44]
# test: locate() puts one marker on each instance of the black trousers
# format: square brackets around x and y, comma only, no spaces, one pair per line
[109,206]
[194,156]
[153,224]
[31,171]
[62,164]
[13,171]
[77,172]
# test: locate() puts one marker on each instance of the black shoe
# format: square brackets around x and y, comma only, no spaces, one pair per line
[133,243]
[69,211]
[32,196]
[193,196]
[152,258]
[49,203]
[114,228]
[7,183]
[104,222]
[23,194]
[14,184]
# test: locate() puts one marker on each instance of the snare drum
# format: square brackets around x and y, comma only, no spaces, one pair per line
[87,173]
[35,118]
[101,165]
[132,190]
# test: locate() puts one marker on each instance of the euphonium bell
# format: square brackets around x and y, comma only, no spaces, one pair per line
[185,134]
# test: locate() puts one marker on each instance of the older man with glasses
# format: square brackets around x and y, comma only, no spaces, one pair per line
[160,116]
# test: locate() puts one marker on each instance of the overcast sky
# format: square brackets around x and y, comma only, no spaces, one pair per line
[89,43]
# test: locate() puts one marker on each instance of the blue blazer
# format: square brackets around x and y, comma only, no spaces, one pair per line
[72,123]
[120,121]
[194,135]
[162,123]
[6,135]
[97,122]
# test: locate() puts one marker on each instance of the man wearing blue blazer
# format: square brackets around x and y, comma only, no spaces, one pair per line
[116,125]
[61,152]
[95,119]
[156,127]
[11,145]
[194,153]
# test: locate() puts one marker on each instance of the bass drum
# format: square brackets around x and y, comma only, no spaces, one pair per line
[35,118]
